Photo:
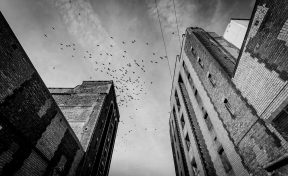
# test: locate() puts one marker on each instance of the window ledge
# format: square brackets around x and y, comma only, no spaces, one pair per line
[276,164]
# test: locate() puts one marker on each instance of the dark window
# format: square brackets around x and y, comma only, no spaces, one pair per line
[174,137]
[196,92]
[228,106]
[187,140]
[177,100]
[227,166]
[193,50]
[182,121]
[256,23]
[211,79]
[280,122]
[194,167]
[198,99]
[200,62]
[208,121]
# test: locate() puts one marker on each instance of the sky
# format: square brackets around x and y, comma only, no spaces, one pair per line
[69,41]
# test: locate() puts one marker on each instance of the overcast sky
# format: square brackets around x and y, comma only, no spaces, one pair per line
[69,41]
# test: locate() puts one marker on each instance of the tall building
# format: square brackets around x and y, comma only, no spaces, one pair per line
[73,135]
[92,112]
[229,111]
[35,137]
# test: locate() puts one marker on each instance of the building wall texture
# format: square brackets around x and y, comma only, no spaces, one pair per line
[261,72]
[234,99]
[35,138]
[92,112]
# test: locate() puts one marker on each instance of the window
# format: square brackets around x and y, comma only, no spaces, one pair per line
[193,50]
[177,100]
[212,81]
[280,122]
[187,141]
[194,167]
[200,62]
[190,80]
[182,121]
[228,106]
[208,121]
[174,137]
[227,166]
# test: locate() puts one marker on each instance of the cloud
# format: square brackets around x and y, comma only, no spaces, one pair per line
[212,15]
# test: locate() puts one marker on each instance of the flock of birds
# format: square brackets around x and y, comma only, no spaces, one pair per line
[129,76]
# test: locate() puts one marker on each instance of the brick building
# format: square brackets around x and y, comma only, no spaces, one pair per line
[92,112]
[35,137]
[228,110]
[73,135]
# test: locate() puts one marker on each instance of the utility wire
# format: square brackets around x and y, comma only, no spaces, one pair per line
[163,39]
[175,13]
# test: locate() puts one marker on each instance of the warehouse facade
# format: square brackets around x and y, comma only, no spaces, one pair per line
[231,119]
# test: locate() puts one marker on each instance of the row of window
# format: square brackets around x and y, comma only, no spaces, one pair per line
[211,80]
[227,166]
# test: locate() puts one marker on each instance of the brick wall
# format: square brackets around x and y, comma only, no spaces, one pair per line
[261,72]
[30,134]
[242,125]
[86,108]
[261,69]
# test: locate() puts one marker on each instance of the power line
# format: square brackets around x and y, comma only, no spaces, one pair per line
[163,39]
[175,13]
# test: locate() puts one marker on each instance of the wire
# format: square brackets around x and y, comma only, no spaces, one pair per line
[163,39]
[175,13]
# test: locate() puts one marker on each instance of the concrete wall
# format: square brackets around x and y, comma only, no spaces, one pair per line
[34,134]
[235,32]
